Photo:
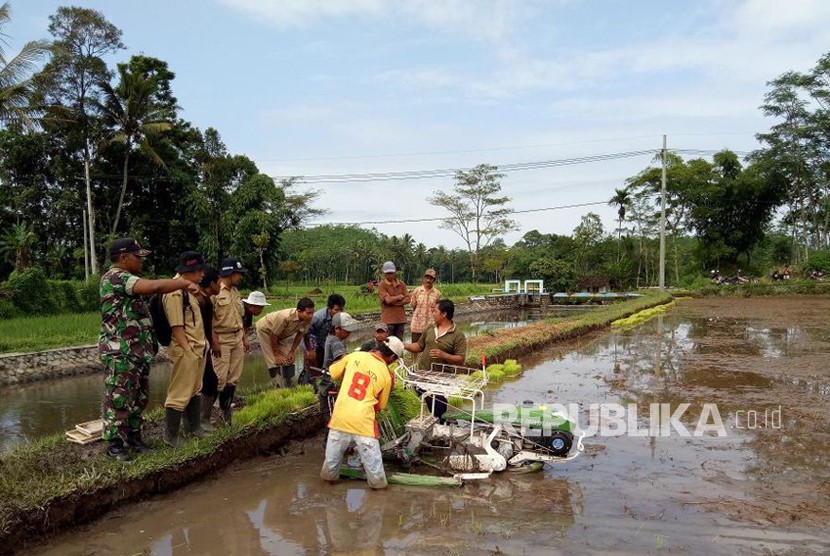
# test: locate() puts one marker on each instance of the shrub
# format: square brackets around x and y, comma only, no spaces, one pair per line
[64,297]
[8,310]
[88,294]
[30,292]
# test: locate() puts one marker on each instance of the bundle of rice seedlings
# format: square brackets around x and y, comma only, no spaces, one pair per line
[406,402]
[512,367]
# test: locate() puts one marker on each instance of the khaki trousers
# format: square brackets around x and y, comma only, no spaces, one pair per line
[185,378]
[228,366]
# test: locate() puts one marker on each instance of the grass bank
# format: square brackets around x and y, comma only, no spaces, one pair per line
[512,343]
[28,334]
[49,484]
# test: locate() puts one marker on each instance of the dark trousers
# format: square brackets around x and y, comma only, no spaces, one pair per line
[397,329]
[210,382]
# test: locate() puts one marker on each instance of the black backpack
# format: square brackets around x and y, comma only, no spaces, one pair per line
[161,326]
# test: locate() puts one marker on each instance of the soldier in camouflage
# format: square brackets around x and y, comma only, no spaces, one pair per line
[127,345]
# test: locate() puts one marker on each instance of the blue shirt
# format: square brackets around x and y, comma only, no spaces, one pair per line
[320,327]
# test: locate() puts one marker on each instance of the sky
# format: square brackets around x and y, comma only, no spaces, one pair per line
[332,87]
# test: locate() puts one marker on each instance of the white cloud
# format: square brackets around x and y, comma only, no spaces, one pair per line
[488,20]
[288,13]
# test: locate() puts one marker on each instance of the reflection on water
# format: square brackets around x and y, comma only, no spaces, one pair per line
[632,495]
[42,408]
[282,507]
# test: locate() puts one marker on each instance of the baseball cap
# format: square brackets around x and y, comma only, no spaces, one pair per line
[382,326]
[256,298]
[190,261]
[388,266]
[337,349]
[395,344]
[345,321]
[430,272]
[231,265]
[127,245]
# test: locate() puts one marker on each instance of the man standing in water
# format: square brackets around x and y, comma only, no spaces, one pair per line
[127,345]
[394,296]
[423,300]
[366,383]
[442,342]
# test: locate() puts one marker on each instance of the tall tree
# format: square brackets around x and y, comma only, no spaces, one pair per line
[621,200]
[70,84]
[476,211]
[136,120]
[16,82]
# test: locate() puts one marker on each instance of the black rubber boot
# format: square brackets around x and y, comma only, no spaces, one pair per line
[193,417]
[172,424]
[206,412]
[225,402]
[136,444]
[117,450]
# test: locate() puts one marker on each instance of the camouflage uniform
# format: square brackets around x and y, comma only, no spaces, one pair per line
[126,345]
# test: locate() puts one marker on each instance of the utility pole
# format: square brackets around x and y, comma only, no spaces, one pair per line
[86,250]
[662,271]
[93,259]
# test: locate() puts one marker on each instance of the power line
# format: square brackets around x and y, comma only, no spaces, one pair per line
[436,219]
[450,172]
[464,151]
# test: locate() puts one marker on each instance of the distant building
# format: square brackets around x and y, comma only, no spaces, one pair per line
[596,284]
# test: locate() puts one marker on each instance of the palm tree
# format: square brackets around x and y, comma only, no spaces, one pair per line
[16,76]
[621,200]
[136,120]
[17,244]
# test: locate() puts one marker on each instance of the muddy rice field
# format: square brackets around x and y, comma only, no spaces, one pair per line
[646,484]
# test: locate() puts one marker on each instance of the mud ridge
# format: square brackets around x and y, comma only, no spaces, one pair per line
[63,513]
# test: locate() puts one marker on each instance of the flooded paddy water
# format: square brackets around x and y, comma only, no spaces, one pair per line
[761,488]
[29,411]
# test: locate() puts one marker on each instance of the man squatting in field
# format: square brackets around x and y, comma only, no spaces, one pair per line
[127,345]
[280,333]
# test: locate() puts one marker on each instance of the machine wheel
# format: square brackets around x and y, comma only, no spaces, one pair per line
[560,443]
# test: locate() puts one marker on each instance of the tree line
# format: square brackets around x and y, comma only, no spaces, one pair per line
[84,142]
[92,152]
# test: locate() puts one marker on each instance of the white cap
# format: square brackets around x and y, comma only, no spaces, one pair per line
[388,266]
[256,298]
[395,344]
[345,321]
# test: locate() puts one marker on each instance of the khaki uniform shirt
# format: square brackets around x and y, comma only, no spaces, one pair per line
[190,318]
[284,324]
[227,311]
[453,341]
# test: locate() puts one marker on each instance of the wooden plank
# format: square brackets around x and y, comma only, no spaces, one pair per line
[80,438]
[91,428]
